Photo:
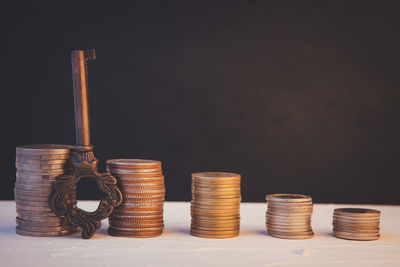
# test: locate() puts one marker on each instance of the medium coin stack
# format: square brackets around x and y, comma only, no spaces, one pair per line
[37,167]
[289,216]
[142,186]
[356,224]
[215,208]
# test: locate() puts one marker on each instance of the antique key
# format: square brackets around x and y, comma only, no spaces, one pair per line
[85,165]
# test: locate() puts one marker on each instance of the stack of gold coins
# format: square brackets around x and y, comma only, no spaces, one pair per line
[289,216]
[37,167]
[142,186]
[215,205]
[356,224]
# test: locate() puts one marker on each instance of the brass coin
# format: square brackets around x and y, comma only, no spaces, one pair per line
[42,193]
[32,203]
[214,234]
[120,171]
[137,209]
[42,149]
[134,163]
[20,231]
[288,198]
[68,228]
[279,235]
[355,219]
[44,157]
[124,226]
[142,234]
[356,212]
[36,172]
[141,187]
[41,219]
[137,175]
[32,208]
[24,223]
[215,175]
[43,166]
[133,214]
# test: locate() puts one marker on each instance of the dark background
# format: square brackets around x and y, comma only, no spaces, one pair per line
[298,97]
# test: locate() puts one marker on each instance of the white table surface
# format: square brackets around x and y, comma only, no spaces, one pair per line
[176,247]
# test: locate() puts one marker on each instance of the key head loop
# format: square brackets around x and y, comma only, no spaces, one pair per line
[85,166]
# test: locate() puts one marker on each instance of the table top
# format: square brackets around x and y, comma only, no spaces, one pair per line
[176,247]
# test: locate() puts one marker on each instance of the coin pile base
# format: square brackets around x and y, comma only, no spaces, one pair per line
[37,167]
[289,216]
[142,186]
[356,224]
[215,205]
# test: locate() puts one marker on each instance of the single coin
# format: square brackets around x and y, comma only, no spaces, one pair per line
[127,227]
[132,215]
[20,231]
[234,185]
[359,238]
[42,193]
[218,175]
[137,229]
[285,216]
[202,197]
[286,223]
[356,219]
[68,228]
[24,223]
[216,192]
[119,171]
[138,217]
[290,204]
[288,198]
[32,203]
[215,218]
[33,208]
[32,186]
[277,235]
[48,157]
[215,225]
[215,233]
[35,162]
[274,227]
[45,167]
[142,234]
[216,207]
[215,188]
[39,218]
[356,234]
[36,172]
[125,211]
[31,198]
[355,225]
[42,149]
[141,187]
[137,175]
[356,212]
[129,180]
[134,163]
[213,212]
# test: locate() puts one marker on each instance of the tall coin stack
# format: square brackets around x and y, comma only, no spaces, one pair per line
[215,205]
[37,167]
[142,186]
[289,216]
[356,224]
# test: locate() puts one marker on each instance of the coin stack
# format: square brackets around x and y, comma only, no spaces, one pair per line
[37,167]
[142,186]
[356,224]
[215,208]
[289,216]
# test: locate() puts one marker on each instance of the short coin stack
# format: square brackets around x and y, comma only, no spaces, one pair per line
[142,186]
[215,205]
[37,167]
[289,216]
[356,224]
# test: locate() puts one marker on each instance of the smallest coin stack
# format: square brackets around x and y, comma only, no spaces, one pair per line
[289,216]
[356,224]
[142,186]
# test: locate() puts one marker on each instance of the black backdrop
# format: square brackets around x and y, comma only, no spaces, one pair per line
[299,97]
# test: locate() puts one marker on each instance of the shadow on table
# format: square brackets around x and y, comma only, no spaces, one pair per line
[177,230]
